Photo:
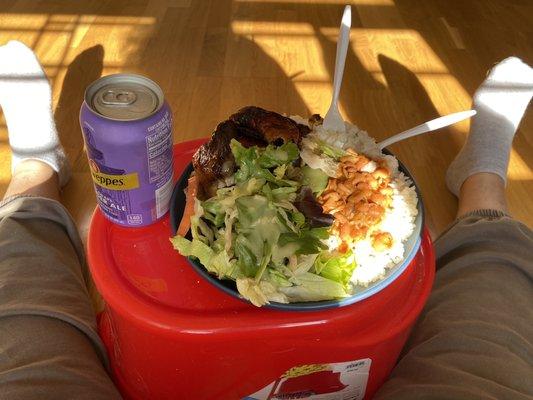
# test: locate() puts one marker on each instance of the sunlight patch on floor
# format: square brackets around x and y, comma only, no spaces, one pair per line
[298,49]
[439,88]
[518,168]
[330,2]
[58,39]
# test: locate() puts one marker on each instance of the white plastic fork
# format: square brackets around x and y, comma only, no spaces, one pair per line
[333,120]
[429,126]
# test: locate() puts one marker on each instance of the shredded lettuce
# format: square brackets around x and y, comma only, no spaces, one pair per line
[320,155]
[254,162]
[218,264]
[304,242]
[251,232]
[329,150]
[335,266]
[260,293]
[312,287]
[315,179]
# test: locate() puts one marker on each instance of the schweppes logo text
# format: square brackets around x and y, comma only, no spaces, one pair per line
[116,182]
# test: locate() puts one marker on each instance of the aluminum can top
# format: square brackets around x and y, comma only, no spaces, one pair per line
[124,97]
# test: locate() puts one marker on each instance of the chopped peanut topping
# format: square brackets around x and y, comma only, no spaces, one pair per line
[358,201]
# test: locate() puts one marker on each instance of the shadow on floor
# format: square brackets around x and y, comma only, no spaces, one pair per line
[82,71]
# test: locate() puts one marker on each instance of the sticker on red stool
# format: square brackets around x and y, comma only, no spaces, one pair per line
[337,381]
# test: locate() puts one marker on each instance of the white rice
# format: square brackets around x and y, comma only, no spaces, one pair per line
[399,219]
[399,222]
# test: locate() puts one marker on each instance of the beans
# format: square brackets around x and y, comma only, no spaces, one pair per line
[331,195]
[373,182]
[361,162]
[379,198]
[332,204]
[342,218]
[360,178]
[355,198]
[382,241]
[336,210]
[343,247]
[343,189]
[363,186]
[358,200]
[350,158]
[345,232]
[387,191]
[332,185]
[381,173]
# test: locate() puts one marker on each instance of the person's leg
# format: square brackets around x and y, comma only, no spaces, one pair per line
[26,100]
[49,348]
[482,191]
[479,172]
[500,103]
[474,339]
[33,178]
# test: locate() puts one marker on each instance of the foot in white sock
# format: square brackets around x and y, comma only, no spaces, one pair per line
[26,100]
[500,103]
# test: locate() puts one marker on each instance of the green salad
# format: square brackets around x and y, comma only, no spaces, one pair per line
[253,233]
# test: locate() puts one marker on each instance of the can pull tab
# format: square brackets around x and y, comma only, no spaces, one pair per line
[118,97]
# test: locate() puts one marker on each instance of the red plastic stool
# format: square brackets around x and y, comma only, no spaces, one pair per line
[171,334]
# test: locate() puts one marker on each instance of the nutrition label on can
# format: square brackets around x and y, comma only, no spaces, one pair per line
[331,381]
[158,146]
[162,198]
[159,153]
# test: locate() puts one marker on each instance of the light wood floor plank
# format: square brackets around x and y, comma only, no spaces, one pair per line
[409,61]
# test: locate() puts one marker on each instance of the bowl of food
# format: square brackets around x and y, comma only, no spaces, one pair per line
[282,213]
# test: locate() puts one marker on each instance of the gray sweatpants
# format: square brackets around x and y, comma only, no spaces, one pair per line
[474,339]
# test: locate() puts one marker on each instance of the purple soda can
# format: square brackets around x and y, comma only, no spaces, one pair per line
[127,128]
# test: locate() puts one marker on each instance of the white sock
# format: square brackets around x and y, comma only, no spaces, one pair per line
[500,103]
[26,100]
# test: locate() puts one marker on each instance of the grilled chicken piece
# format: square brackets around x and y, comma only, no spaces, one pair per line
[315,120]
[248,137]
[251,126]
[273,127]
[213,161]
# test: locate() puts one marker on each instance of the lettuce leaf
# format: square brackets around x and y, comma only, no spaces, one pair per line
[312,287]
[255,162]
[306,242]
[218,264]
[273,156]
[257,231]
[335,266]
[329,150]
[260,293]
[315,179]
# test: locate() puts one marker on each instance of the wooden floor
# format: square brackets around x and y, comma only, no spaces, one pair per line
[409,61]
